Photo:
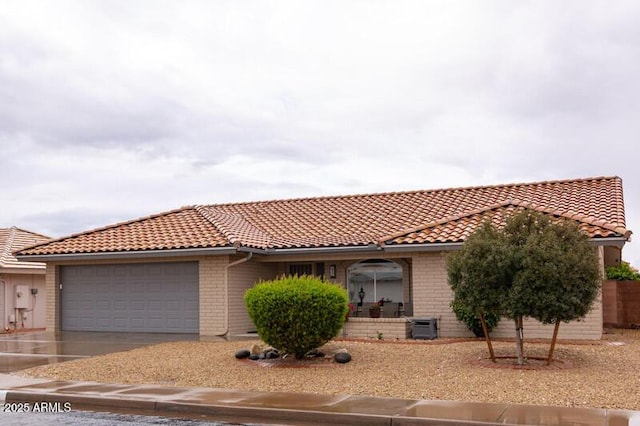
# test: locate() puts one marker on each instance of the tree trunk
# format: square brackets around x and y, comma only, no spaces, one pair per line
[521,320]
[553,342]
[486,336]
[519,345]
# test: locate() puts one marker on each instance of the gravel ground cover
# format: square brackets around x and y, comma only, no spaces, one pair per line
[602,374]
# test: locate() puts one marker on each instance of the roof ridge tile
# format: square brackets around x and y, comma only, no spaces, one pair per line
[14,240]
[590,220]
[442,221]
[413,191]
[224,222]
[5,253]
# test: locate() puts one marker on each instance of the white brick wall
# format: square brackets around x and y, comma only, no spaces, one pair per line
[387,328]
[241,278]
[432,295]
[589,328]
[213,295]
[52,299]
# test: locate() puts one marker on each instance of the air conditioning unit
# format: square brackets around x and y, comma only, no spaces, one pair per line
[425,328]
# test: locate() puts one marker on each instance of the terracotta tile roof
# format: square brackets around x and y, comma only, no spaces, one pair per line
[356,220]
[14,239]
[458,228]
[176,229]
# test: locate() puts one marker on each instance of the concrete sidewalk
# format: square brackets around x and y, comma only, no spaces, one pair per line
[296,409]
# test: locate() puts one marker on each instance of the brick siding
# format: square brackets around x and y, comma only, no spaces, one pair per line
[432,295]
[241,278]
[52,318]
[213,295]
[387,328]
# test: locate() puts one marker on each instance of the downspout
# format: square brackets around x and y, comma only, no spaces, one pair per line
[226,289]
[3,321]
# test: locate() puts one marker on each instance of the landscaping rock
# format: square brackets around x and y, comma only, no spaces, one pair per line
[254,357]
[342,357]
[243,353]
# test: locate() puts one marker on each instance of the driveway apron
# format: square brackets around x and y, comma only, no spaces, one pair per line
[25,350]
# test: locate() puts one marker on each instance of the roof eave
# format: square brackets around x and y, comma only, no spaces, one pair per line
[609,241]
[422,247]
[323,250]
[128,254]
[430,247]
[37,269]
[389,248]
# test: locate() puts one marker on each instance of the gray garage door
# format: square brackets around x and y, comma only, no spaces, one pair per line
[145,297]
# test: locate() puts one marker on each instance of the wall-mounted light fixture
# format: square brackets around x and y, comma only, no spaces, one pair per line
[332,271]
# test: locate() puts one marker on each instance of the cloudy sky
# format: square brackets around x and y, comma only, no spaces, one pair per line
[115,110]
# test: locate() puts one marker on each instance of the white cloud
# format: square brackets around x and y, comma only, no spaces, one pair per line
[110,111]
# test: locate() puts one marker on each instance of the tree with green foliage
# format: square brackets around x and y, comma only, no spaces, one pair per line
[532,267]
[473,320]
[622,272]
[297,314]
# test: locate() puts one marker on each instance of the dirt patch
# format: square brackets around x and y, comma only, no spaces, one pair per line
[530,363]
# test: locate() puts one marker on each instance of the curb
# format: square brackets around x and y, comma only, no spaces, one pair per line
[228,412]
[281,408]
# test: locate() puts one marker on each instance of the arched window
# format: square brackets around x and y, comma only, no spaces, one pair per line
[376,279]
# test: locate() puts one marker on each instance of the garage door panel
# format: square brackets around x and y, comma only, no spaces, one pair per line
[138,305]
[102,324]
[103,305]
[151,297]
[120,324]
[120,306]
[155,305]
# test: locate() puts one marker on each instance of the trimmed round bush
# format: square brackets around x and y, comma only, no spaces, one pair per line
[297,314]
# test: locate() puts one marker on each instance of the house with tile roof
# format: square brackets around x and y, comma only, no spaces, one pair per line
[186,270]
[22,289]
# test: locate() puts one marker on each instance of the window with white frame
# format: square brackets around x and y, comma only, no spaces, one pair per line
[375,279]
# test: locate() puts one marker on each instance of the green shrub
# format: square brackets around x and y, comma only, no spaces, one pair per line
[624,272]
[297,314]
[471,320]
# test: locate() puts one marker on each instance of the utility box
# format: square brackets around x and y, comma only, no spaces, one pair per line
[22,297]
[424,328]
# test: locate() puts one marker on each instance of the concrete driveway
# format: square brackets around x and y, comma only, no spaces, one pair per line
[25,350]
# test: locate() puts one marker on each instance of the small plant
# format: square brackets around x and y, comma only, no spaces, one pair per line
[379,335]
[375,310]
[472,320]
[297,314]
[623,272]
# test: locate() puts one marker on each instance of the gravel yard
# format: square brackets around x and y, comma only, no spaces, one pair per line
[600,374]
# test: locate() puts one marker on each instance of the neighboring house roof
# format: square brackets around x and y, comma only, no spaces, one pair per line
[385,219]
[14,239]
